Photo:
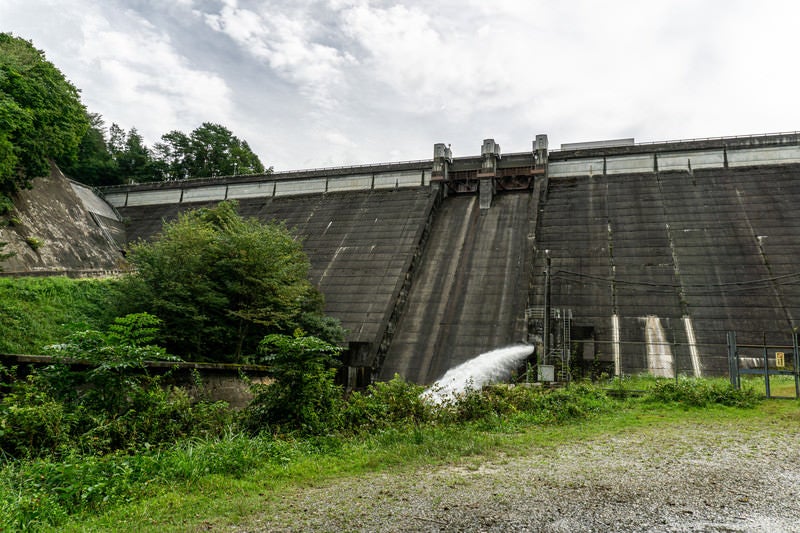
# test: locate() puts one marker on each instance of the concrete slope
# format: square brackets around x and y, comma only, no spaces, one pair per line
[469,294]
[60,226]
[680,258]
[360,245]
[737,241]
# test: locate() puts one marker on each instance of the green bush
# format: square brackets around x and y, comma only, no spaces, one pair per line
[113,405]
[702,393]
[222,283]
[32,422]
[534,403]
[6,204]
[386,404]
[34,242]
[303,397]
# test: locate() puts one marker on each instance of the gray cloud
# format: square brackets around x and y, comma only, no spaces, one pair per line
[327,82]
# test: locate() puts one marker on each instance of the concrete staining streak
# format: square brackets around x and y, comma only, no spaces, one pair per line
[452,266]
[695,356]
[615,341]
[759,241]
[659,354]
[339,250]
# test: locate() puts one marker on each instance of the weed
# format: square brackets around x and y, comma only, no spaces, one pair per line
[692,392]
[34,242]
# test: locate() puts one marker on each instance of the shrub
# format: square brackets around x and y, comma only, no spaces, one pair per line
[222,282]
[34,242]
[32,422]
[6,205]
[701,393]
[386,404]
[114,405]
[303,398]
[539,405]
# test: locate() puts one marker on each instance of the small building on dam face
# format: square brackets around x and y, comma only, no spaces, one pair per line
[655,250]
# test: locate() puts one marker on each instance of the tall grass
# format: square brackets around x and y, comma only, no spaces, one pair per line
[35,312]
[46,491]
[386,426]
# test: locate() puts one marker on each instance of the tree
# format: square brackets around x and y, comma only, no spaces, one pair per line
[221,282]
[215,151]
[41,115]
[210,150]
[173,153]
[95,165]
[304,396]
[133,158]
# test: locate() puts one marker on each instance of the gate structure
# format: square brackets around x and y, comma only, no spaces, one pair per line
[763,360]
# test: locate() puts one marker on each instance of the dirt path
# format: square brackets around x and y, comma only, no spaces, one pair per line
[677,478]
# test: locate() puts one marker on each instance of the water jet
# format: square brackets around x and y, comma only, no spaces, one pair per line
[487,368]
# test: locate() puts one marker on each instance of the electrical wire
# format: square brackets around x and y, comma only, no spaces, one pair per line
[669,288]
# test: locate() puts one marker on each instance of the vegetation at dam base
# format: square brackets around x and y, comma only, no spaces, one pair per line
[110,449]
[111,444]
[227,477]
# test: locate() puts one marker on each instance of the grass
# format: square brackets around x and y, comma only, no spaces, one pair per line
[220,498]
[35,312]
[780,386]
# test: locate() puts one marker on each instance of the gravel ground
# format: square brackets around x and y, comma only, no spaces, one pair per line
[687,478]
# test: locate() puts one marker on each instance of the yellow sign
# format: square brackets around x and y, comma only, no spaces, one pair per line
[779,360]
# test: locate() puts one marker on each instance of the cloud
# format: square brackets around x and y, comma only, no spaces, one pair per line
[429,65]
[288,38]
[127,69]
[318,82]
[146,81]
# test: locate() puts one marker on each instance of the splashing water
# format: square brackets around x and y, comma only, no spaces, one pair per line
[487,368]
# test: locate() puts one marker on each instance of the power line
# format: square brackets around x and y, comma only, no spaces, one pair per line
[668,288]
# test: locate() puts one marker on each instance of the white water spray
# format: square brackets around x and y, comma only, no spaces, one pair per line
[487,368]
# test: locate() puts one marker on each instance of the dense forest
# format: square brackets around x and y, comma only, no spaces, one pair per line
[42,118]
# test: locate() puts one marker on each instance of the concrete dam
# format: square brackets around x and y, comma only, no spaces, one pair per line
[631,257]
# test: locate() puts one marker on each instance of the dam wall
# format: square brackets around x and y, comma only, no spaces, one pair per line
[721,152]
[469,294]
[360,244]
[61,227]
[692,253]
[273,185]
[656,249]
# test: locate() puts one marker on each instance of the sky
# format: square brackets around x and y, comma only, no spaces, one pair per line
[320,83]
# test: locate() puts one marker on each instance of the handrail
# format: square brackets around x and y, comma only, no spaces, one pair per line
[347,167]
[273,174]
[279,174]
[700,139]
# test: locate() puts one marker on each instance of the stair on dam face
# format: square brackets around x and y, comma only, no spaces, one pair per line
[469,291]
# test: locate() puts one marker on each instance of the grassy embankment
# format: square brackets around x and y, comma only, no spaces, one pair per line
[220,499]
[201,483]
[36,312]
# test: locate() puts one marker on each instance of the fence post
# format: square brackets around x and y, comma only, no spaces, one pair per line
[766,367]
[733,363]
[796,365]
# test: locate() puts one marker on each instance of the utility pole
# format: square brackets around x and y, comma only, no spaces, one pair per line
[546,322]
